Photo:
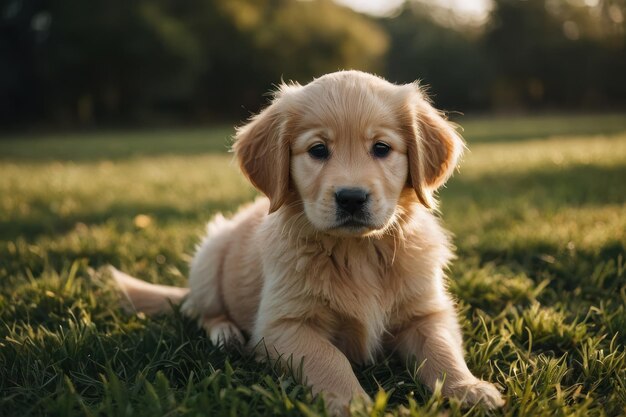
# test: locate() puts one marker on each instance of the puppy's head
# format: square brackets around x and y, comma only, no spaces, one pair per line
[346,146]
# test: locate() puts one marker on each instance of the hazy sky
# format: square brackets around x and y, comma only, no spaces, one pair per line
[473,9]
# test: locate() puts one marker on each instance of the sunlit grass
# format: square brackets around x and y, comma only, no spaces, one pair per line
[539,215]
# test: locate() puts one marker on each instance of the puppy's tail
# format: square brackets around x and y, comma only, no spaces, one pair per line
[141,296]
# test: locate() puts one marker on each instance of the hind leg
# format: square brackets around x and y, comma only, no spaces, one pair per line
[222,331]
[204,302]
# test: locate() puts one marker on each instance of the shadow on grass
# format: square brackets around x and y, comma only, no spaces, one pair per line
[578,186]
[96,146]
[47,223]
[117,145]
[35,246]
[598,273]
[575,186]
[514,129]
[510,194]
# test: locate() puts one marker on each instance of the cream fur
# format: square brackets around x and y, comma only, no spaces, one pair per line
[321,295]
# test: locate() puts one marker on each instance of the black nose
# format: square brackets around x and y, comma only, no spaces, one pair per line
[351,200]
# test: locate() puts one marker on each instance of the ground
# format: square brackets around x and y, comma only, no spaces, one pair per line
[538,210]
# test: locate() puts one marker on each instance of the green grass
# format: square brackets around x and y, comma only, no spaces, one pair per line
[539,214]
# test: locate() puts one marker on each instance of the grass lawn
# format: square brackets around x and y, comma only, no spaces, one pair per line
[539,213]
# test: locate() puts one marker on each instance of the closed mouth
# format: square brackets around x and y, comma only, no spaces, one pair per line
[352,223]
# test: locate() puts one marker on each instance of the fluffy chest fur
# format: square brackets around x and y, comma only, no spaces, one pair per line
[344,281]
[356,289]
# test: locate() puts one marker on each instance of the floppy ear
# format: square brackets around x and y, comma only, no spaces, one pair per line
[262,148]
[434,148]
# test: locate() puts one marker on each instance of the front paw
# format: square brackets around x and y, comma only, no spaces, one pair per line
[337,407]
[474,392]
[343,407]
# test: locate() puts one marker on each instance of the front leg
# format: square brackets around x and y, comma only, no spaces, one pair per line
[435,341]
[324,367]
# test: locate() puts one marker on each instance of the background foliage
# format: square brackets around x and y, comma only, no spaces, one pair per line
[106,62]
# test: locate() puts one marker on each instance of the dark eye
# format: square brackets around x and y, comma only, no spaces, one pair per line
[319,151]
[380,149]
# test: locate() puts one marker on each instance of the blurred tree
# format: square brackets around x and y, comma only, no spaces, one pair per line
[19,85]
[445,59]
[269,40]
[555,54]
[103,59]
[109,61]
[128,60]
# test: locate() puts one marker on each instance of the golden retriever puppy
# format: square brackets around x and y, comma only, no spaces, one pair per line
[344,257]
